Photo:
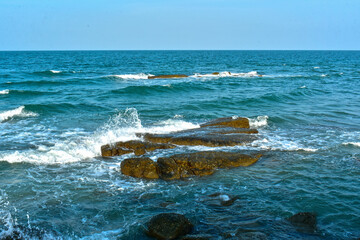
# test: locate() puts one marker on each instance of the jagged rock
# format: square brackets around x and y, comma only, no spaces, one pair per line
[238,122]
[185,165]
[140,168]
[135,146]
[166,226]
[304,221]
[169,76]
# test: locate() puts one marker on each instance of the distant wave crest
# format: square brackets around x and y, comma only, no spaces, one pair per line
[3,92]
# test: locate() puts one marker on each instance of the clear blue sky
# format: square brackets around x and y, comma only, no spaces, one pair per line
[179,24]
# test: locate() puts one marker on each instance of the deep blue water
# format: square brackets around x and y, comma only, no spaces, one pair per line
[58,108]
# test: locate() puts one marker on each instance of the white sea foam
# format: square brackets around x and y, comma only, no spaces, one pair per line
[259,121]
[280,143]
[228,74]
[17,112]
[3,92]
[74,147]
[323,75]
[316,67]
[132,76]
[356,144]
[55,71]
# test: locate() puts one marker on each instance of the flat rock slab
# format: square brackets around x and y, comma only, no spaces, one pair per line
[135,146]
[186,165]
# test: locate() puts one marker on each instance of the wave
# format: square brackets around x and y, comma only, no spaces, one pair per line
[260,121]
[18,112]
[73,146]
[228,74]
[131,76]
[356,144]
[3,92]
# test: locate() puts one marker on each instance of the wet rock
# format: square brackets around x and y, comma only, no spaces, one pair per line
[223,199]
[304,221]
[135,146]
[186,165]
[201,163]
[168,226]
[169,76]
[140,168]
[212,136]
[238,122]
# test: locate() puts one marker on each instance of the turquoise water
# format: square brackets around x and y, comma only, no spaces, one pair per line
[58,108]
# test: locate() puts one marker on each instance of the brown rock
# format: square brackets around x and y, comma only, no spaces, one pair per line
[215,73]
[201,163]
[169,76]
[167,226]
[140,168]
[135,146]
[229,121]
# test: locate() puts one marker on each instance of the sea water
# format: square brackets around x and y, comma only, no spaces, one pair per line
[58,108]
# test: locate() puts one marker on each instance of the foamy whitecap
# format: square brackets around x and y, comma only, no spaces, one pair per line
[323,75]
[132,76]
[55,71]
[17,112]
[3,92]
[280,143]
[356,144]
[121,127]
[259,121]
[303,86]
[316,67]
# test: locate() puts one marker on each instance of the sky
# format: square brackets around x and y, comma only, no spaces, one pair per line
[179,25]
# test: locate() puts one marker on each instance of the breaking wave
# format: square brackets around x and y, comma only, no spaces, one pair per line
[17,112]
[3,92]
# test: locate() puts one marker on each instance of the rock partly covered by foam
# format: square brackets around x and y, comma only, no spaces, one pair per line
[134,146]
[168,76]
[185,165]
[167,226]
[220,132]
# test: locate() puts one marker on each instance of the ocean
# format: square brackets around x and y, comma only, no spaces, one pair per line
[58,107]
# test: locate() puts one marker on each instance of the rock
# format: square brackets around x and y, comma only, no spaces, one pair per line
[222,199]
[168,226]
[212,136]
[229,121]
[304,221]
[140,168]
[135,146]
[201,163]
[197,237]
[215,73]
[169,76]
[186,165]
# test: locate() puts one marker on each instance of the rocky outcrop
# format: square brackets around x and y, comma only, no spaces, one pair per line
[135,146]
[167,226]
[186,165]
[140,168]
[237,122]
[168,76]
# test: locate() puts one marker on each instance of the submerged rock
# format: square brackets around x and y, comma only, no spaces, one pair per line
[166,226]
[135,146]
[304,221]
[197,237]
[186,165]
[252,236]
[168,76]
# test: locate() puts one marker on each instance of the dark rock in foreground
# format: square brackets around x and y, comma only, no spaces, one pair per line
[169,76]
[167,226]
[134,146]
[186,165]
[304,221]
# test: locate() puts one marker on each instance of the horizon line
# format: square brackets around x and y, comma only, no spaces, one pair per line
[79,50]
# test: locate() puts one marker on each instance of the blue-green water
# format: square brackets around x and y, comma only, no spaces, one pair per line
[58,108]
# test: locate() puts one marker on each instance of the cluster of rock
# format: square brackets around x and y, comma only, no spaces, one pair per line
[168,226]
[184,76]
[220,132]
